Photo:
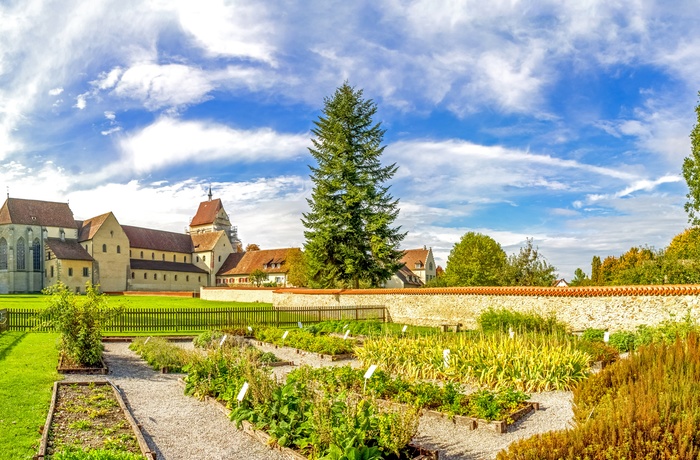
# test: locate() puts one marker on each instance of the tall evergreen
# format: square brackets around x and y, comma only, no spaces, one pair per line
[349,233]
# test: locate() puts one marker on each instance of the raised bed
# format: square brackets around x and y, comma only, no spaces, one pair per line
[298,351]
[499,426]
[106,413]
[64,367]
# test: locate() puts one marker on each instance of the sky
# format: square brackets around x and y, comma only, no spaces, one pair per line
[564,122]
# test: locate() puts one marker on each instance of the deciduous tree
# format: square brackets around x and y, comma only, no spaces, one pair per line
[529,268]
[258,277]
[297,268]
[477,260]
[691,173]
[350,235]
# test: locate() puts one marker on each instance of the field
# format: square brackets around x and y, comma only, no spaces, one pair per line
[39,301]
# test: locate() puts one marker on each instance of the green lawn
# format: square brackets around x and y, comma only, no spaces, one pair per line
[27,372]
[38,301]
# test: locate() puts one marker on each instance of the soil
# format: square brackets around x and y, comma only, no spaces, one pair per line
[89,417]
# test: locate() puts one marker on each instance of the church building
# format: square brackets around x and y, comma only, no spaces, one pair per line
[41,244]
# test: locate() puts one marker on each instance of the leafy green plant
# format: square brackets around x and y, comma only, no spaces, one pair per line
[305,340]
[593,335]
[98,454]
[623,341]
[503,320]
[159,353]
[79,321]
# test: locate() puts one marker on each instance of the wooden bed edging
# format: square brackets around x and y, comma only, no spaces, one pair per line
[135,427]
[323,356]
[95,370]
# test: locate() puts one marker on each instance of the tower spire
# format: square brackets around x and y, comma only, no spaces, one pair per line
[210,195]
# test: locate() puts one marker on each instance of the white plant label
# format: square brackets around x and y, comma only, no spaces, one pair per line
[370,371]
[347,333]
[346,326]
[511,333]
[446,357]
[300,325]
[250,329]
[244,390]
[223,339]
[404,328]
[284,336]
[606,337]
[149,338]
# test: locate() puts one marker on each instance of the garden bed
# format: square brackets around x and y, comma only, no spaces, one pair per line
[66,366]
[499,426]
[90,415]
[323,356]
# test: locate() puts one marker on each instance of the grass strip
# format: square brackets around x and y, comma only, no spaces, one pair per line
[27,373]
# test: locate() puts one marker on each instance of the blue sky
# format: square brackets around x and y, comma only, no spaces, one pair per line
[566,122]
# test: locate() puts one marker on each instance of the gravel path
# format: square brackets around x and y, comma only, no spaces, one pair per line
[181,427]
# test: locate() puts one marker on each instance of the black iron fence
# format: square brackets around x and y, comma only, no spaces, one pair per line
[199,319]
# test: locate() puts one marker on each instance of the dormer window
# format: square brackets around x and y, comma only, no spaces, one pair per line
[419,264]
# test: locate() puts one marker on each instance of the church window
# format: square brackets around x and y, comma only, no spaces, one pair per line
[163,257]
[153,256]
[104,248]
[3,254]
[155,276]
[119,249]
[187,278]
[52,271]
[185,259]
[430,265]
[175,277]
[204,258]
[133,275]
[70,271]
[111,233]
[21,263]
[197,258]
[219,258]
[165,277]
[142,254]
[145,275]
[174,258]
[199,279]
[86,272]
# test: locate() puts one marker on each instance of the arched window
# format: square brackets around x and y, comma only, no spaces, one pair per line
[219,258]
[187,278]
[145,275]
[185,259]
[174,258]
[3,254]
[163,257]
[133,275]
[165,277]
[36,255]
[104,248]
[155,276]
[153,256]
[142,254]
[175,277]
[21,263]
[119,249]
[197,258]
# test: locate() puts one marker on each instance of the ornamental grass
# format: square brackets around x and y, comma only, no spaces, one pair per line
[644,407]
[527,362]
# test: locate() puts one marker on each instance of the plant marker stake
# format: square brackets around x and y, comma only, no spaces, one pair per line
[446,357]
[300,325]
[223,339]
[511,332]
[403,331]
[606,336]
[284,336]
[241,394]
[147,339]
[250,329]
[346,326]
[368,374]
[345,337]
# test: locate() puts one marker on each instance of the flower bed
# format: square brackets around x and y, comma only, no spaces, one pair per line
[89,417]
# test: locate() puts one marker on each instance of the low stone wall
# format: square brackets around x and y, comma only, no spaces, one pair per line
[226,294]
[612,308]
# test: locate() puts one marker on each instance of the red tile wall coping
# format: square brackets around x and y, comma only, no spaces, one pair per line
[531,291]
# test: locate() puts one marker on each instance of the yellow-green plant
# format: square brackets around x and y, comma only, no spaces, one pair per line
[527,362]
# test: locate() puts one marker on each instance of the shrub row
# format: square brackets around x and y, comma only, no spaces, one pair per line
[647,406]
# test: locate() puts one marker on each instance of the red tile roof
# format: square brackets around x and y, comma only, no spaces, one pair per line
[140,264]
[34,212]
[412,256]
[206,214]
[68,250]
[206,241]
[244,263]
[89,227]
[158,240]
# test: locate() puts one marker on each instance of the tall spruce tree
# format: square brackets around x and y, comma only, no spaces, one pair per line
[350,237]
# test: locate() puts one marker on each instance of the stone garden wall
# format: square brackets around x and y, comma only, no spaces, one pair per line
[613,308]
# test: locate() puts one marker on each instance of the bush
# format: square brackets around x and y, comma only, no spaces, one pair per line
[623,341]
[502,320]
[159,353]
[593,335]
[647,406]
[79,321]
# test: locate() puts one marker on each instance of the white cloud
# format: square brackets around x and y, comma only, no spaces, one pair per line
[163,85]
[55,91]
[81,101]
[110,116]
[170,141]
[109,131]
